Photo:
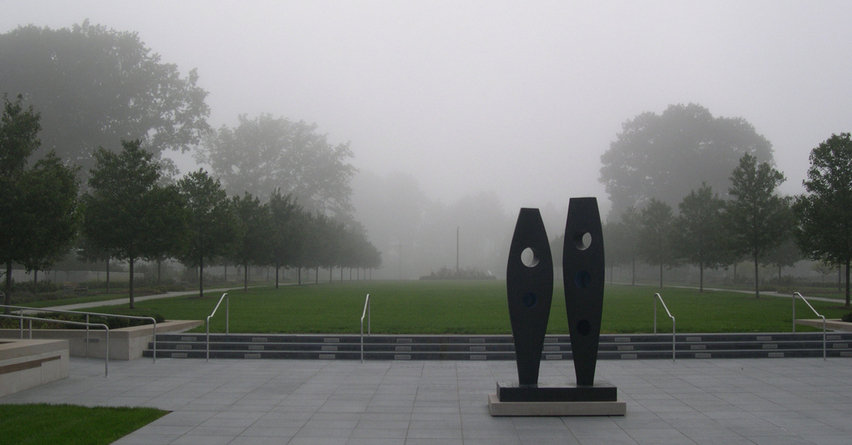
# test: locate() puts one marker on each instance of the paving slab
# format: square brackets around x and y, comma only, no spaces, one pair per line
[748,401]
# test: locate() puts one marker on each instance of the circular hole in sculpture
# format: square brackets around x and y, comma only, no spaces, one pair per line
[583,327]
[582,240]
[529,258]
[529,299]
[582,279]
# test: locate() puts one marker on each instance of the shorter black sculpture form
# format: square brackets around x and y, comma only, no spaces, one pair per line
[529,288]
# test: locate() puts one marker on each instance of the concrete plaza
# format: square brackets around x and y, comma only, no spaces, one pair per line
[750,401]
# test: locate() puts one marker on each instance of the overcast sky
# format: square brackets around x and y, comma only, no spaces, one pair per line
[520,98]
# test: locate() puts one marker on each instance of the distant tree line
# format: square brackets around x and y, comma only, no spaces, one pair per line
[106,108]
[680,153]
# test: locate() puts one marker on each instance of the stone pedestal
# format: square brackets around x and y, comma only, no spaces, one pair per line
[598,400]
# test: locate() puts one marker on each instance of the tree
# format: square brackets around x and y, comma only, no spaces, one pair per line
[663,156]
[783,255]
[127,212]
[37,205]
[758,218]
[655,234]
[265,154]
[210,221]
[167,225]
[698,236]
[51,201]
[252,233]
[825,210]
[96,87]
[622,244]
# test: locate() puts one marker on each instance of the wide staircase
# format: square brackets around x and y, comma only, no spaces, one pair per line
[496,347]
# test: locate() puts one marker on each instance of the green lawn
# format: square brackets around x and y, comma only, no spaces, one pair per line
[468,307]
[67,424]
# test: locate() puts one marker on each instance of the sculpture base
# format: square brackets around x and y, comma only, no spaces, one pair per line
[598,400]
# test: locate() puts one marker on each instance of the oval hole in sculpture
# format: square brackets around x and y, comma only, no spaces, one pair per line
[582,240]
[529,299]
[529,258]
[582,279]
[583,327]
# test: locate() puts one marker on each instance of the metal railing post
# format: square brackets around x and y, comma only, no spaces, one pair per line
[87,336]
[155,340]
[227,316]
[657,296]
[365,312]
[796,294]
[794,312]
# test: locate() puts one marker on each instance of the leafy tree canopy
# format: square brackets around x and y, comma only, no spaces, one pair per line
[267,154]
[95,87]
[825,210]
[38,215]
[757,217]
[127,212]
[698,235]
[664,156]
[655,235]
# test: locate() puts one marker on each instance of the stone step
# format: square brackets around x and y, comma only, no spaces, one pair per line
[496,347]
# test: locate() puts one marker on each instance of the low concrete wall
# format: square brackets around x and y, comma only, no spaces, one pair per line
[124,343]
[830,324]
[28,363]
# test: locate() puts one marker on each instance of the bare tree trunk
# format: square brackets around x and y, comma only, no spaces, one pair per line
[201,276]
[7,298]
[847,282]
[756,280]
[245,276]
[107,271]
[131,283]
[633,272]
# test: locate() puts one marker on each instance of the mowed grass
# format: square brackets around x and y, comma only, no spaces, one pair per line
[67,424]
[474,307]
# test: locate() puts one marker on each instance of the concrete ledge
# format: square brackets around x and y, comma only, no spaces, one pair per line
[124,343]
[28,363]
[554,409]
[831,325]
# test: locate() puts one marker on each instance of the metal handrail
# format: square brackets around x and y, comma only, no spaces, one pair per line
[365,312]
[79,323]
[21,310]
[674,331]
[227,319]
[796,294]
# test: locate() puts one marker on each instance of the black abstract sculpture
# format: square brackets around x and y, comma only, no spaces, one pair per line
[529,286]
[583,276]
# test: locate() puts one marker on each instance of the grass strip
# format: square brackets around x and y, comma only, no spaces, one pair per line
[38,424]
[473,307]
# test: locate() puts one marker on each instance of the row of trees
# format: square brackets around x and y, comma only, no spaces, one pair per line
[95,88]
[754,223]
[132,212]
[708,231]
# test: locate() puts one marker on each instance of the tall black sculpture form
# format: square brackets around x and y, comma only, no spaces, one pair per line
[583,278]
[529,286]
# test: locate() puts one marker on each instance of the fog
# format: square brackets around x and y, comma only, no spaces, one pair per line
[511,100]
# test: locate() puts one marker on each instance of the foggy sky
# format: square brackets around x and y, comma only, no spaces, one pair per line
[518,98]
